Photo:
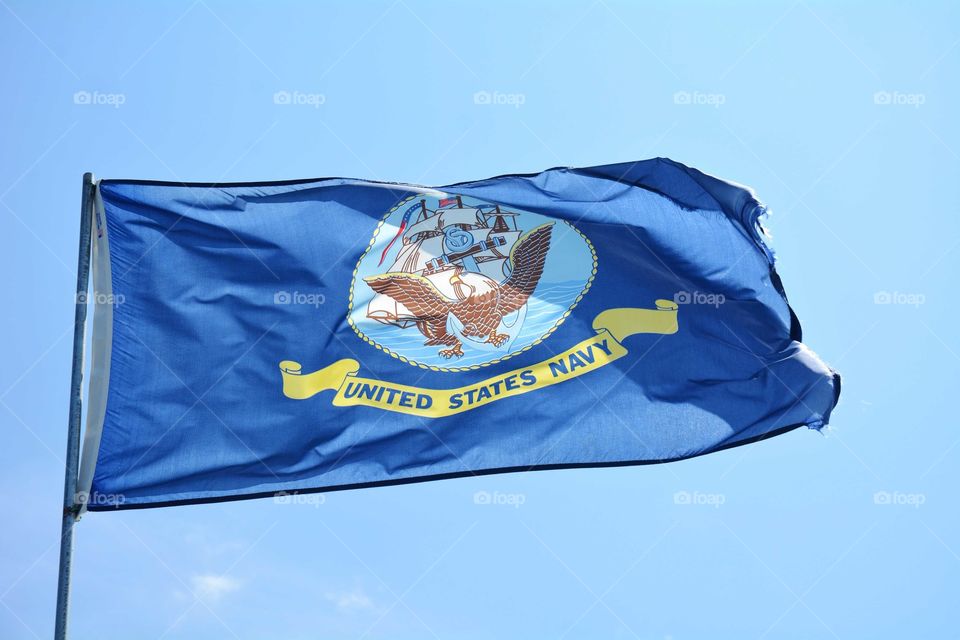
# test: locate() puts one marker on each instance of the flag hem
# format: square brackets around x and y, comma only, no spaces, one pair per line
[101,350]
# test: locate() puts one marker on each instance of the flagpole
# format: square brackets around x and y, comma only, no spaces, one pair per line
[70,505]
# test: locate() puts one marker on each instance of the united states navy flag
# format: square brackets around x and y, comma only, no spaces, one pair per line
[325,334]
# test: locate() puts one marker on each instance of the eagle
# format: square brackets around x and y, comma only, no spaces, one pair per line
[483,308]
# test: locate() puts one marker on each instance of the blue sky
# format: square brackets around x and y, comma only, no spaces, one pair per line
[838,114]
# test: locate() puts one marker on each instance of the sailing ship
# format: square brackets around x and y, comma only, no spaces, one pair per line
[439,244]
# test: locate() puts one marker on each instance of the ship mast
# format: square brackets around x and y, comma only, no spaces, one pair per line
[500,225]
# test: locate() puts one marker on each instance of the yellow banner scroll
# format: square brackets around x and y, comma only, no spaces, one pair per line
[612,327]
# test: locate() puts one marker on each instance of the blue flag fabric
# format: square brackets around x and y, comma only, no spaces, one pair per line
[325,334]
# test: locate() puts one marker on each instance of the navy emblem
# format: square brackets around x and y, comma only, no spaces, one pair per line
[453,283]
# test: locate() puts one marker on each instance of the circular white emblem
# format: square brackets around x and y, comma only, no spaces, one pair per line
[452,283]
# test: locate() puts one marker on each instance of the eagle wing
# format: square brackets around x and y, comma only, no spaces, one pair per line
[416,293]
[528,257]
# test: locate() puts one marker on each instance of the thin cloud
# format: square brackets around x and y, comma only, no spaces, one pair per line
[350,601]
[213,587]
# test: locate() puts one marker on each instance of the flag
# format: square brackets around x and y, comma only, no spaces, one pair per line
[447,202]
[255,339]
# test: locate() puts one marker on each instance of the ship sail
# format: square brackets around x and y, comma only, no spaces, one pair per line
[497,249]
[462,216]
[427,225]
[491,261]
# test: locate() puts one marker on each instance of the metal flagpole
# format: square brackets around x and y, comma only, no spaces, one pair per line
[70,505]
